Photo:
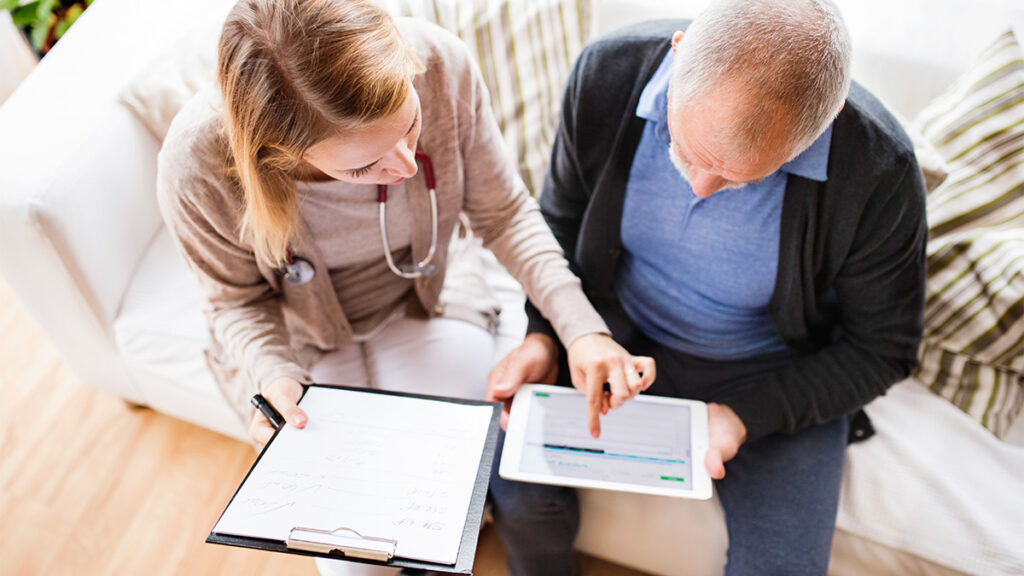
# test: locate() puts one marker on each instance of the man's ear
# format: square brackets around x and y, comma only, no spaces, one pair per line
[676,38]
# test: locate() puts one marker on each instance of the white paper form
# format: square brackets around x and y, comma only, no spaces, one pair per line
[385,466]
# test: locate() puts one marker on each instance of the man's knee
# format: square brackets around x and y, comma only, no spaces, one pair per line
[524,500]
[538,525]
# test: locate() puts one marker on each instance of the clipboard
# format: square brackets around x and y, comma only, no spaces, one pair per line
[343,543]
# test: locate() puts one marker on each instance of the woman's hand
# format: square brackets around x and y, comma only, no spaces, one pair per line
[534,361]
[595,359]
[283,394]
[726,433]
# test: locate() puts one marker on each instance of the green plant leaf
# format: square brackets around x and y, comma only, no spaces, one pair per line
[8,5]
[40,30]
[44,9]
[70,17]
[24,15]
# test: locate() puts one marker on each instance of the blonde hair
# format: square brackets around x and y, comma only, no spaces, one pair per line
[293,73]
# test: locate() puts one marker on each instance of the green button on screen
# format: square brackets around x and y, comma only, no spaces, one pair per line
[673,479]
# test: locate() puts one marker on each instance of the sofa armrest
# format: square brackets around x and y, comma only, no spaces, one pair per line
[78,182]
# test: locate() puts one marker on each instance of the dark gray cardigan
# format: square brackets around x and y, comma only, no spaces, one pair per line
[849,292]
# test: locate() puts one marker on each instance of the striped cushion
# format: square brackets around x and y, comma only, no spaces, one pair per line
[973,352]
[525,49]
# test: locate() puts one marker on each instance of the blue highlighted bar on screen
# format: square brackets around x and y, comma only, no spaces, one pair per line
[611,454]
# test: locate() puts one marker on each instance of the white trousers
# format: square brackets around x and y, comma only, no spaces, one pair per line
[440,356]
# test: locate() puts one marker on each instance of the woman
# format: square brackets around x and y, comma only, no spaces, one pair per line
[270,185]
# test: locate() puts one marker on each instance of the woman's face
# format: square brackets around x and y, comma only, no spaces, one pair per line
[380,152]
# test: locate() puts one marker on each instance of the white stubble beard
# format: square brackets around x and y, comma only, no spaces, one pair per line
[683,168]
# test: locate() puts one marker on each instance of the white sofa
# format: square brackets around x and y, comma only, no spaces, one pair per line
[85,249]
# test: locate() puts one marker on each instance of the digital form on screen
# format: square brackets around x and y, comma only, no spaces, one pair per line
[641,444]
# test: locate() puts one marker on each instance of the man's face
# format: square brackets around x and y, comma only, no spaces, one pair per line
[697,149]
[684,167]
[707,162]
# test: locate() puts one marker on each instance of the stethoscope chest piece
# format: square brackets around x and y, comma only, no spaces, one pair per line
[299,271]
[418,270]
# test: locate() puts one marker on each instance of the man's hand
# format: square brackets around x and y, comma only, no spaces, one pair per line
[595,359]
[535,360]
[726,434]
[283,394]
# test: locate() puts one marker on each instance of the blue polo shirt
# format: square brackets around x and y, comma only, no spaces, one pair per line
[697,274]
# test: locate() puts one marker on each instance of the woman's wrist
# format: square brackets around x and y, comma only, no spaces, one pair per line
[542,340]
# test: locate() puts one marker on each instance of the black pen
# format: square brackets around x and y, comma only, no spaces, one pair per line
[261,404]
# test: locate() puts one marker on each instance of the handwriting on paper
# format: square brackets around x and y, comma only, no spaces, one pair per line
[385,466]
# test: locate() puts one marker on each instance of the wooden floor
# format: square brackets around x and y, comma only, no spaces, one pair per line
[90,485]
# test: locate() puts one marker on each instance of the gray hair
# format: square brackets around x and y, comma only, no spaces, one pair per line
[791,57]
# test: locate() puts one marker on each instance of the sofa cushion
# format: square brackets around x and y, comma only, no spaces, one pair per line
[654,534]
[165,84]
[160,327]
[524,49]
[973,351]
[930,484]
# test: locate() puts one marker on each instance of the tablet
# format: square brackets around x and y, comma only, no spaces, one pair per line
[650,445]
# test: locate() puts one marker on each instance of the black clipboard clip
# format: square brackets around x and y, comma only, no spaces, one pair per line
[345,540]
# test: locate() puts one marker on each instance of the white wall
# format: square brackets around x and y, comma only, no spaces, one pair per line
[905,51]
[16,60]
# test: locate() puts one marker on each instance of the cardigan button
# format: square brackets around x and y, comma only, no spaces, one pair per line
[439,308]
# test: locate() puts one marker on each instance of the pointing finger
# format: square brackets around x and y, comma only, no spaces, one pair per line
[595,397]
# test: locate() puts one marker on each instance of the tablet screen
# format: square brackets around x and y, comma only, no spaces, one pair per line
[641,443]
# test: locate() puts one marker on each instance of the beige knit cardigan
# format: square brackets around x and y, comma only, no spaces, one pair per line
[263,328]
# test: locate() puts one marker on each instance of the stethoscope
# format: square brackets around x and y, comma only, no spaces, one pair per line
[300,271]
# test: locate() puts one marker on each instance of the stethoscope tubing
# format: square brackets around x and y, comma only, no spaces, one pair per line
[423,267]
[300,271]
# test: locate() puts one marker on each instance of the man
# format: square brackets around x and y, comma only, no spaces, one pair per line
[741,213]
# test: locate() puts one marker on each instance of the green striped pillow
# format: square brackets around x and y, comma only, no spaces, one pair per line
[525,49]
[973,350]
